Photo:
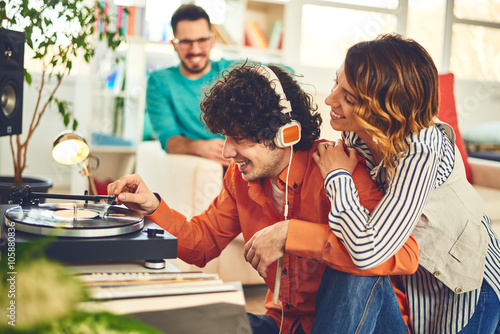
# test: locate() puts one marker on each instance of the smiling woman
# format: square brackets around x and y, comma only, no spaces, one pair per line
[413,158]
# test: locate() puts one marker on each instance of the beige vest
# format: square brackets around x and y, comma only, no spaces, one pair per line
[451,238]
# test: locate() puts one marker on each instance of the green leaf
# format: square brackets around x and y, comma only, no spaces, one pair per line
[27,77]
[66,120]
[60,107]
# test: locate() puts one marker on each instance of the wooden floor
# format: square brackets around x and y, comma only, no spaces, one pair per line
[254,298]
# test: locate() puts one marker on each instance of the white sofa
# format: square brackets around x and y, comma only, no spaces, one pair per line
[188,184]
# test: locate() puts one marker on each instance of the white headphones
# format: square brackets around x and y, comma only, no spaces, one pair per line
[288,134]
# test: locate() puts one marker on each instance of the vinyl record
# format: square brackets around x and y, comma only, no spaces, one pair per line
[75,220]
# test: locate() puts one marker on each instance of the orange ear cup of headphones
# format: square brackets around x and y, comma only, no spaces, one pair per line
[288,134]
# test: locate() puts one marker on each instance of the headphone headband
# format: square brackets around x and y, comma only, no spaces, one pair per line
[288,134]
[273,79]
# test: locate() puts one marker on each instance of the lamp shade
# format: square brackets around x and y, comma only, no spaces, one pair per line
[70,148]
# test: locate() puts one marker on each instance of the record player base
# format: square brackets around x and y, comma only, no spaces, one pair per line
[127,247]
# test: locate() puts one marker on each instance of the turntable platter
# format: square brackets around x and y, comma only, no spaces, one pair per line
[75,220]
[72,214]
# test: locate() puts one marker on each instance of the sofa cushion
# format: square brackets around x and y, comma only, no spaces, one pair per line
[448,114]
[487,134]
[483,140]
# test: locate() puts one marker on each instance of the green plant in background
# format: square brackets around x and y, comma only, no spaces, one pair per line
[47,296]
[57,32]
[42,291]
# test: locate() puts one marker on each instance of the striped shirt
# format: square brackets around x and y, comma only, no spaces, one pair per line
[373,238]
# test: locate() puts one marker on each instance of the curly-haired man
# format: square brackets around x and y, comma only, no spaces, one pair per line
[273,194]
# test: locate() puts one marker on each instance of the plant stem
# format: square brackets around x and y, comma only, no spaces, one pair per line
[22,147]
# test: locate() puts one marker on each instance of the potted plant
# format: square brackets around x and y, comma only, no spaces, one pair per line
[55,50]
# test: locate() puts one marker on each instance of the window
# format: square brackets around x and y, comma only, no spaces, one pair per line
[481,10]
[472,50]
[481,60]
[329,30]
[426,26]
[332,30]
[462,36]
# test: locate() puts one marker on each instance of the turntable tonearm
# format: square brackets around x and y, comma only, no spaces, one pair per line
[86,232]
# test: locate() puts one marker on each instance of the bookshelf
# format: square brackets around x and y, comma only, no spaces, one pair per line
[115,115]
[253,25]
[264,24]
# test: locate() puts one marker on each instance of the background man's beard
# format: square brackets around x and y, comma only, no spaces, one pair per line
[194,70]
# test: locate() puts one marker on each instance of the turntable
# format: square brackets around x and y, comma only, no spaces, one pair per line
[86,232]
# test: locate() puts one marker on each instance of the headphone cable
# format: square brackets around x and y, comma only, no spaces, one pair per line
[279,268]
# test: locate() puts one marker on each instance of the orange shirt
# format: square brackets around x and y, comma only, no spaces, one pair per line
[242,207]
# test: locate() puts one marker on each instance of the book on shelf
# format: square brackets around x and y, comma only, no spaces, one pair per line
[121,18]
[222,34]
[140,17]
[133,21]
[128,20]
[255,36]
[131,17]
[133,285]
[276,36]
[101,17]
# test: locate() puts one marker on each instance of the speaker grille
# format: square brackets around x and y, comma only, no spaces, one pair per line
[11,81]
[9,99]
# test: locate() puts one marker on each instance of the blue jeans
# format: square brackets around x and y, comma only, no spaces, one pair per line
[486,318]
[265,324]
[347,304]
[357,304]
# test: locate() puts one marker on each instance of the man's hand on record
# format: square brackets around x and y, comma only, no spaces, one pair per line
[134,194]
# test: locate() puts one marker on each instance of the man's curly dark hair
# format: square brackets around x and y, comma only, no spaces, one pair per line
[243,103]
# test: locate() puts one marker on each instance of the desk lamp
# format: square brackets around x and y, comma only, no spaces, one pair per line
[70,148]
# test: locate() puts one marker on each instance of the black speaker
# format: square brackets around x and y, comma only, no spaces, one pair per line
[11,81]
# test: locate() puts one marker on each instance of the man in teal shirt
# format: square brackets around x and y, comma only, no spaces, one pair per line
[173,95]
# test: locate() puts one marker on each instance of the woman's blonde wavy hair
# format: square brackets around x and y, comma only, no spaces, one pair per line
[397,86]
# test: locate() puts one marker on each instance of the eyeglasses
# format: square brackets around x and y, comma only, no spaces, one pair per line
[185,44]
